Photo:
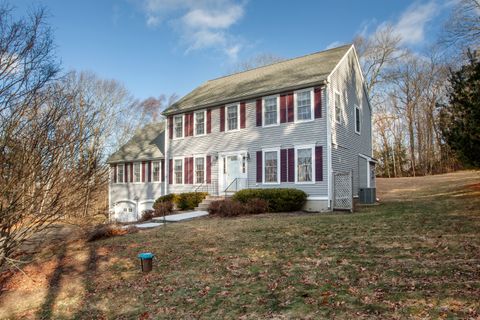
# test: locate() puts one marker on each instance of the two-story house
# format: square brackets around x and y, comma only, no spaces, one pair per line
[290,124]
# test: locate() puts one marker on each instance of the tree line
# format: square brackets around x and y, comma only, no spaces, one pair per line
[409,92]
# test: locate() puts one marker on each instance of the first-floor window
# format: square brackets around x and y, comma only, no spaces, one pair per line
[271,166]
[304,165]
[120,168]
[136,172]
[156,171]
[200,170]
[178,171]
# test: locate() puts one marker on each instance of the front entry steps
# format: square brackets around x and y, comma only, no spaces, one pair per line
[206,202]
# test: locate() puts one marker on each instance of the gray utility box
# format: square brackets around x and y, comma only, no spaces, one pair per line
[367,195]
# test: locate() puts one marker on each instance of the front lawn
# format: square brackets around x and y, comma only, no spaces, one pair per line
[417,255]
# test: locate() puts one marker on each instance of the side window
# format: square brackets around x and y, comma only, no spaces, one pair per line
[232,117]
[271,166]
[199,170]
[199,123]
[338,107]
[270,111]
[178,167]
[136,172]
[358,119]
[120,169]
[178,125]
[156,171]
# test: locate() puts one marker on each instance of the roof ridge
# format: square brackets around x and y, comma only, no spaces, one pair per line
[278,62]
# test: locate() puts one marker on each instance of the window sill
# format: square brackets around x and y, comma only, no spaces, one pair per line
[357,132]
[305,182]
[271,183]
[270,125]
[302,121]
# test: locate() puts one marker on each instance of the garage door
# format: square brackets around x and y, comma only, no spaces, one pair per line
[126,211]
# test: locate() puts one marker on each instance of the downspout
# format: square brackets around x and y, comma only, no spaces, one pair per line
[166,157]
[329,144]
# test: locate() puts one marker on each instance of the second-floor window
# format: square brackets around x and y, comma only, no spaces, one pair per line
[120,168]
[136,172]
[199,170]
[178,123]
[270,111]
[304,105]
[156,171]
[338,107]
[199,123]
[178,169]
[232,117]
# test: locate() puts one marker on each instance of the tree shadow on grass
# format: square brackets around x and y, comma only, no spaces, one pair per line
[46,311]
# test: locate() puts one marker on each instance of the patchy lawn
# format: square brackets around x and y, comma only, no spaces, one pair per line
[417,255]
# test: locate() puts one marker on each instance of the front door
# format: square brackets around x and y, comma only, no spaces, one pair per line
[233,172]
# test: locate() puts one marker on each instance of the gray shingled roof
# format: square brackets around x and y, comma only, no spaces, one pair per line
[147,143]
[291,74]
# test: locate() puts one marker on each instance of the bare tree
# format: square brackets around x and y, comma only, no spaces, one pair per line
[151,108]
[463,27]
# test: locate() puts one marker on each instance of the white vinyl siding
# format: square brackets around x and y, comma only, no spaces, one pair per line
[270,111]
[232,117]
[271,166]
[155,171]
[200,123]
[137,172]
[178,124]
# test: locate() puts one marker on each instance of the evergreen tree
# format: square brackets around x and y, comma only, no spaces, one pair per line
[460,119]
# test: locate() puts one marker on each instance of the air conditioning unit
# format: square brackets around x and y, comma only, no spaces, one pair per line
[367,195]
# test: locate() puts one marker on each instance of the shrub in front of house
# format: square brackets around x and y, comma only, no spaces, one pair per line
[235,208]
[279,199]
[104,231]
[147,215]
[162,208]
[183,201]
[190,200]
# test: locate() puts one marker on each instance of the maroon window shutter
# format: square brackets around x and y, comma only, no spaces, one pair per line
[186,128]
[170,171]
[283,108]
[114,166]
[190,170]
[259,112]
[209,169]
[185,171]
[149,171]
[290,113]
[162,164]
[131,171]
[283,165]
[318,102]
[259,166]
[318,163]
[192,124]
[143,170]
[125,169]
[222,118]
[209,121]
[291,165]
[242,115]
[170,127]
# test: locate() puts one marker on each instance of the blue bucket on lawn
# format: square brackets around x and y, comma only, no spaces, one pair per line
[146,259]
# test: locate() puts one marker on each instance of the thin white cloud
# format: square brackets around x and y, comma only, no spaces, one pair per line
[412,23]
[201,24]
[334,44]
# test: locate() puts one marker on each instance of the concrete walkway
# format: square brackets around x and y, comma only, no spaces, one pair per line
[182,216]
[159,221]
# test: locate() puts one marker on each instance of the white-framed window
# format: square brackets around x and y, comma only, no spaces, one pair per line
[156,171]
[358,119]
[271,112]
[178,126]
[305,164]
[120,173]
[178,171]
[303,104]
[199,170]
[232,117]
[271,166]
[338,107]
[200,122]
[137,172]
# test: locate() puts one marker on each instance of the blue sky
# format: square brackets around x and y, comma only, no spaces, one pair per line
[159,47]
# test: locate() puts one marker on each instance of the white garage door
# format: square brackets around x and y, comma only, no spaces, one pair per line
[126,211]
